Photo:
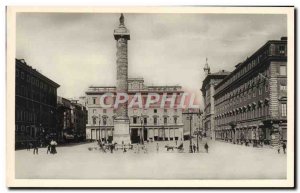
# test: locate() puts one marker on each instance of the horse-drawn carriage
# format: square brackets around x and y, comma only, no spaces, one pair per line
[179,148]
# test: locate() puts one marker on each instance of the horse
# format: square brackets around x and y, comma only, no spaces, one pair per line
[169,147]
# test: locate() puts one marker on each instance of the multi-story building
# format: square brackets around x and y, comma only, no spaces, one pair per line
[64,119]
[152,124]
[82,100]
[71,120]
[78,120]
[251,102]
[35,110]
[208,91]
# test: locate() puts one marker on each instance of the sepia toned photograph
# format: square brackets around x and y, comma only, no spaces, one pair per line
[150,97]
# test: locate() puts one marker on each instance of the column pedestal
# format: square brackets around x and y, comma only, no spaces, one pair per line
[121,131]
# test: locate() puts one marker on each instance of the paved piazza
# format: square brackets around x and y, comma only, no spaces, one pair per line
[224,161]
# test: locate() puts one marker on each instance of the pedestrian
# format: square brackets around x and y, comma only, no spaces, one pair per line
[27,146]
[111,148]
[138,148]
[157,147]
[194,148]
[48,148]
[283,147]
[206,147]
[278,148]
[35,148]
[53,147]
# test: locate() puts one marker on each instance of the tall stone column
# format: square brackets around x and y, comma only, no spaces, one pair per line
[121,122]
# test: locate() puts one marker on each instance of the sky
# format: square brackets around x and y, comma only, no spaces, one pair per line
[78,50]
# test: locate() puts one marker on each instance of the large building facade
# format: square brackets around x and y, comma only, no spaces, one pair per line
[251,102]
[153,124]
[208,92]
[35,110]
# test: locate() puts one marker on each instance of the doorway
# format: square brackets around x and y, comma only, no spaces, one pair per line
[135,138]
[145,135]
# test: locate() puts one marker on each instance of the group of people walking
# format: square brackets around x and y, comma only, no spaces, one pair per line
[195,150]
[34,145]
[51,147]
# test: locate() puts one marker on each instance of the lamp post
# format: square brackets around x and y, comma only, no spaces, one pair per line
[52,125]
[100,137]
[142,129]
[198,129]
[190,117]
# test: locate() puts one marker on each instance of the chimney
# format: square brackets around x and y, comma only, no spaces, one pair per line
[283,38]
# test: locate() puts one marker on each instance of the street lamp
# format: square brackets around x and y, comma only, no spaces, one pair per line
[52,125]
[142,129]
[190,117]
[100,137]
[198,129]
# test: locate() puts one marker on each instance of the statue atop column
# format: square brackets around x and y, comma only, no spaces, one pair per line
[122,19]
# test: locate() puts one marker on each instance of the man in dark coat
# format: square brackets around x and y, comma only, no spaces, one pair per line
[283,147]
[194,148]
[35,148]
[206,147]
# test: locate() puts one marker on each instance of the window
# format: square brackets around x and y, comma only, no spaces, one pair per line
[175,120]
[22,75]
[94,120]
[282,70]
[165,110]
[134,120]
[281,50]
[145,121]
[17,73]
[165,120]
[94,100]
[94,111]
[283,110]
[104,120]
[283,87]
[155,110]
[155,120]
[104,110]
